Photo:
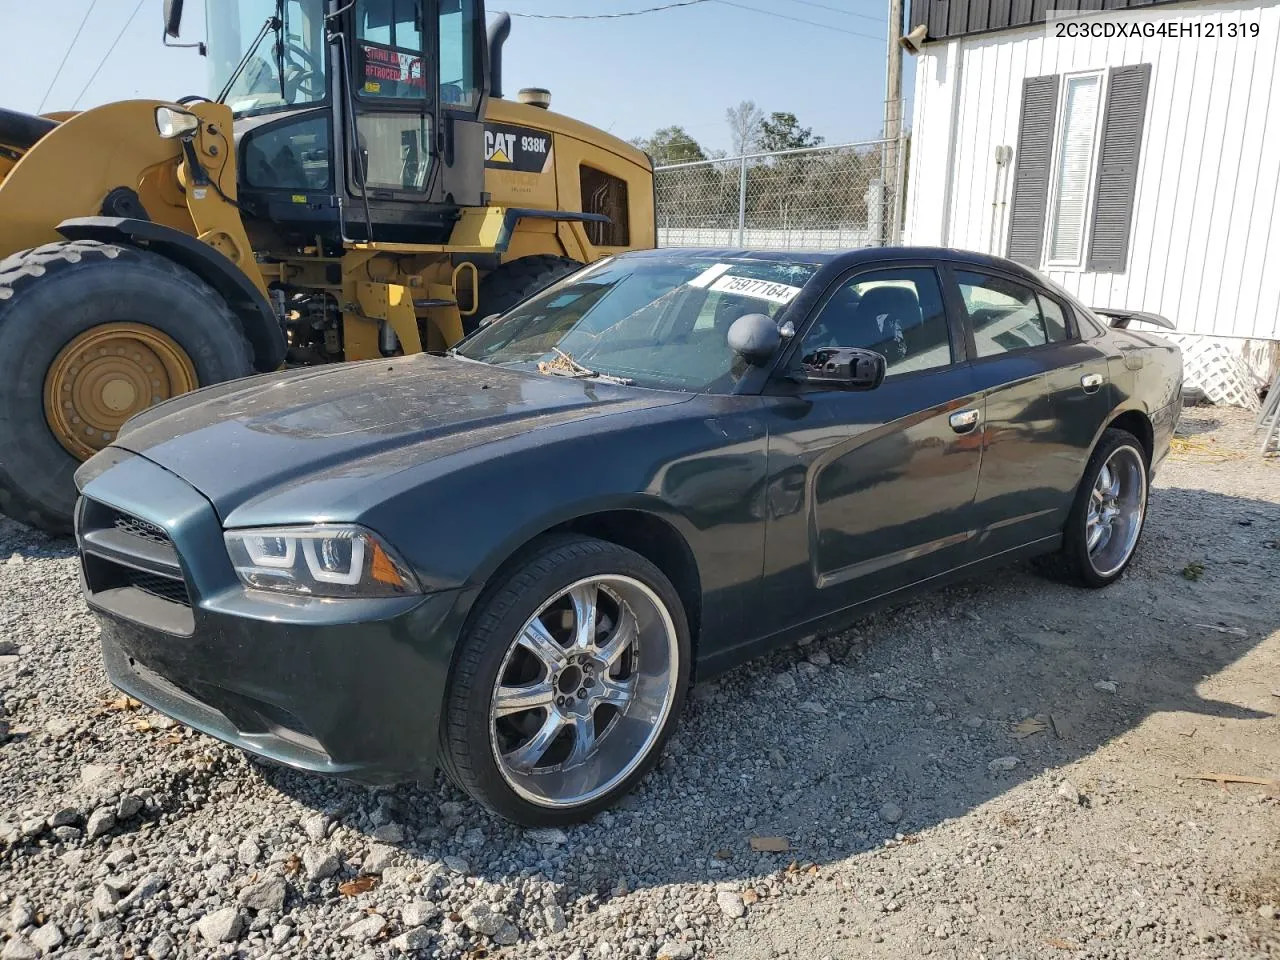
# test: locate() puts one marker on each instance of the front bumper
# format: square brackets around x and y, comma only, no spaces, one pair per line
[352,687]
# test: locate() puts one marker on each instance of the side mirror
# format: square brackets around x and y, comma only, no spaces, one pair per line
[173,18]
[755,338]
[844,368]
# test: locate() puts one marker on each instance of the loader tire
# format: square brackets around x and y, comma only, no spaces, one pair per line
[128,308]
[514,281]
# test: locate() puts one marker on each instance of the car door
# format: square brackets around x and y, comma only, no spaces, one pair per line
[870,491]
[1041,394]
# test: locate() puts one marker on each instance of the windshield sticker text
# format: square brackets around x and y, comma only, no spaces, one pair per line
[759,289]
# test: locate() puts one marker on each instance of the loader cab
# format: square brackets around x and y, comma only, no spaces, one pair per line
[357,120]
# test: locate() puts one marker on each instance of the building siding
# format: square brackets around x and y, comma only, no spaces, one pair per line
[958,18]
[1205,240]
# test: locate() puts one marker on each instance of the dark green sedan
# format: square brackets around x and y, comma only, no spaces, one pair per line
[513,560]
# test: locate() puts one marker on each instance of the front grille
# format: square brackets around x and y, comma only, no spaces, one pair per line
[139,528]
[166,588]
[131,567]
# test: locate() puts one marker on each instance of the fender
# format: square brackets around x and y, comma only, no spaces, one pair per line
[255,312]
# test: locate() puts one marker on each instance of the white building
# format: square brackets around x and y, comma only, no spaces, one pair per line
[1139,167]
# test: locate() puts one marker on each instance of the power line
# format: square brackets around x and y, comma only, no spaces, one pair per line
[604,16]
[812,23]
[66,56]
[847,13]
[110,50]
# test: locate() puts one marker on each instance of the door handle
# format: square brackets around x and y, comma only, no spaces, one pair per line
[1091,382]
[962,421]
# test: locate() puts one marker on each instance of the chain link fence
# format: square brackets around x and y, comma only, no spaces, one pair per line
[818,198]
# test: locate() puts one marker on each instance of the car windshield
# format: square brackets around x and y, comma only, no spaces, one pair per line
[654,320]
[286,69]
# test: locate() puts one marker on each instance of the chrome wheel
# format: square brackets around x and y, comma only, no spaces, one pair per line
[1117,504]
[584,691]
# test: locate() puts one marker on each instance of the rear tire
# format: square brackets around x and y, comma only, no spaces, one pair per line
[514,281]
[1103,529]
[603,699]
[52,294]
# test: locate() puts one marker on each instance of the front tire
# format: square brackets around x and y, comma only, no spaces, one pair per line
[1109,511]
[517,280]
[90,334]
[570,678]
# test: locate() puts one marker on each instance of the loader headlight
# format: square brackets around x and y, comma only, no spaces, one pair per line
[172,124]
[327,560]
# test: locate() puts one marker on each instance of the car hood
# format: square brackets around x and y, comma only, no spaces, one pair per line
[332,431]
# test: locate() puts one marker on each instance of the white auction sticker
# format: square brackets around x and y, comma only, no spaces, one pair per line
[706,276]
[759,289]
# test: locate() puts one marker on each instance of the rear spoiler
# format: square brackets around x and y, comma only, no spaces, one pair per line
[1120,319]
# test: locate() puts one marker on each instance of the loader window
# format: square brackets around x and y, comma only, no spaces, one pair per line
[607,194]
[395,150]
[390,51]
[461,32]
[286,69]
[289,155]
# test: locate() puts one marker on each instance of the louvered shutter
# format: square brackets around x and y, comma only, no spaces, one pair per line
[1031,169]
[1117,182]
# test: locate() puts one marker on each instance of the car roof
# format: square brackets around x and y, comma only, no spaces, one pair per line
[843,259]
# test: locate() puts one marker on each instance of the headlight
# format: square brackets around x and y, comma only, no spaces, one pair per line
[331,560]
[171,123]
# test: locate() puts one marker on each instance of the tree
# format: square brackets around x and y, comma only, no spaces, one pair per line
[744,125]
[782,131]
[671,145]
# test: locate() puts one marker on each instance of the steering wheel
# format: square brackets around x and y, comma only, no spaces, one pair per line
[303,73]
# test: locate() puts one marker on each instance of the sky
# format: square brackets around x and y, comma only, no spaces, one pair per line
[627,75]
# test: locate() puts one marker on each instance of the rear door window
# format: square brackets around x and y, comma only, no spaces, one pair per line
[1006,315]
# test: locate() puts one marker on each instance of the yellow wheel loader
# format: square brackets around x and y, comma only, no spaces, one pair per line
[354,187]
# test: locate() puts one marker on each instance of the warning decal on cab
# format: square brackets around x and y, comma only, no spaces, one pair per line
[508,147]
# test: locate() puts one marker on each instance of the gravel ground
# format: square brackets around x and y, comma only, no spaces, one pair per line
[1004,769]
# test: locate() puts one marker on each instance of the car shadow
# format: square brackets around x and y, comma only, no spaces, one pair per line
[920,714]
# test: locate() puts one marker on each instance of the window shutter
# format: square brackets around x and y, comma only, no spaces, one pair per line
[1118,168]
[1031,170]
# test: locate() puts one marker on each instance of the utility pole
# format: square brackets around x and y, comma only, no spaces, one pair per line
[892,102]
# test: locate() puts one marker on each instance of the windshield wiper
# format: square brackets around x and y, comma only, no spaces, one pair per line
[565,366]
[271,23]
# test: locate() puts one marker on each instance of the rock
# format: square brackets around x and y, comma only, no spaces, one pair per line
[1068,792]
[33,826]
[930,708]
[19,948]
[890,812]
[266,896]
[66,817]
[1269,911]
[552,835]
[48,938]
[973,723]
[675,950]
[317,826]
[378,858]
[810,707]
[21,914]
[785,683]
[457,865]
[555,918]
[129,807]
[450,814]
[8,648]
[101,822]
[248,852]
[1106,686]
[1004,764]
[820,658]
[418,913]
[364,929]
[731,904]
[145,889]
[67,834]
[484,920]
[59,727]
[221,926]
[161,948]
[104,901]
[98,778]
[119,857]
[412,940]
[281,933]
[389,833]
[320,864]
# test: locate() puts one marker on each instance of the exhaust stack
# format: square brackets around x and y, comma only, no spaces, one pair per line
[499,30]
